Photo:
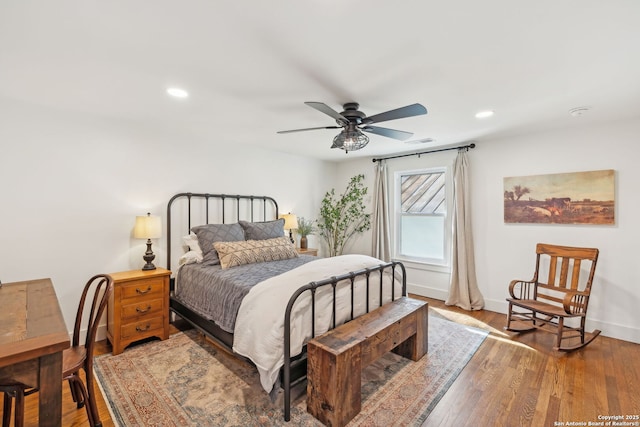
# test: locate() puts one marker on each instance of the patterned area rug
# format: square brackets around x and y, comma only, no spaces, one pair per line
[187,381]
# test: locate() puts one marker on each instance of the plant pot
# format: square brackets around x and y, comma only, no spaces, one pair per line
[303,242]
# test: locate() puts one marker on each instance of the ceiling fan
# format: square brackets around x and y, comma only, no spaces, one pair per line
[353,122]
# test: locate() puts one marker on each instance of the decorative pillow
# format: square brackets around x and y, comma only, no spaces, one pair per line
[253,251]
[210,233]
[263,230]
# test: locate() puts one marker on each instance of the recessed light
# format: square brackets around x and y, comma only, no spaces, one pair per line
[177,92]
[484,114]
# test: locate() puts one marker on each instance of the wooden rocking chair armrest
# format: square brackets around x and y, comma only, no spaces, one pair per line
[514,283]
[568,304]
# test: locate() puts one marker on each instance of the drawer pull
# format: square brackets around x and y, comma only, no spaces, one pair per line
[141,292]
[146,328]
[143,310]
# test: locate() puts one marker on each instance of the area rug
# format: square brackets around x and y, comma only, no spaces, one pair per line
[187,381]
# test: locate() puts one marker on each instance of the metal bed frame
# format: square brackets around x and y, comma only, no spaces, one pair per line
[294,368]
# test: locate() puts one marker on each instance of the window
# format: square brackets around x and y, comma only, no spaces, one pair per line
[421,216]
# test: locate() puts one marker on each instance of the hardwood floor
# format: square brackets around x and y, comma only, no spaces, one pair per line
[512,380]
[518,380]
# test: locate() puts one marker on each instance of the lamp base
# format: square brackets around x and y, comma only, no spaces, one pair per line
[148,257]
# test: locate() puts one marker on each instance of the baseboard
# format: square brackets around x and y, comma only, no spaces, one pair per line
[101,334]
[616,331]
[496,305]
[426,291]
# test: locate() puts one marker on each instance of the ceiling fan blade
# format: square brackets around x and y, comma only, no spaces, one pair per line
[305,129]
[324,108]
[389,133]
[398,113]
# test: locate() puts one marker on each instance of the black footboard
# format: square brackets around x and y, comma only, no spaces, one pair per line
[312,287]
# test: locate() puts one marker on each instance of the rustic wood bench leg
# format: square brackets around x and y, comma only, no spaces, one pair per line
[417,345]
[333,385]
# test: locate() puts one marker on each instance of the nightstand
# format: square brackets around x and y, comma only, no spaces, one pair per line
[308,251]
[138,307]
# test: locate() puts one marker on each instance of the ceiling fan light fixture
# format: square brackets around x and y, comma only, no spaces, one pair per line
[350,140]
[354,122]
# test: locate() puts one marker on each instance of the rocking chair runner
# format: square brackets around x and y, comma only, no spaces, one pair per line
[547,305]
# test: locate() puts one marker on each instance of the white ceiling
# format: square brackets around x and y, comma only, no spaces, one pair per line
[250,65]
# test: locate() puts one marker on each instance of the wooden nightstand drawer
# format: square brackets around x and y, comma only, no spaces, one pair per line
[143,288]
[142,329]
[138,307]
[142,308]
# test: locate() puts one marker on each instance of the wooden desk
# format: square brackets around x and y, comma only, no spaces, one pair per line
[32,337]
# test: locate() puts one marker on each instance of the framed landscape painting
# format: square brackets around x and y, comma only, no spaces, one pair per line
[561,198]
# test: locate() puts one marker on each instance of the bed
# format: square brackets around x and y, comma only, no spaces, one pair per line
[239,280]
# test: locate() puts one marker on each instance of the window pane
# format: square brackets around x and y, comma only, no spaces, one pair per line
[422,236]
[423,193]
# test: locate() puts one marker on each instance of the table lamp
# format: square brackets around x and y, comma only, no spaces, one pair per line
[290,223]
[148,227]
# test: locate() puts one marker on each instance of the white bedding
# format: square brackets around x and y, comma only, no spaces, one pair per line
[259,328]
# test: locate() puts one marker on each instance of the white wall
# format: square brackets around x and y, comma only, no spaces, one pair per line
[71,186]
[506,251]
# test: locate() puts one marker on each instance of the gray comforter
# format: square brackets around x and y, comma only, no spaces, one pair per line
[216,294]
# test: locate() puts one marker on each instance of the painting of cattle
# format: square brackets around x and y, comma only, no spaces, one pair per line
[561,198]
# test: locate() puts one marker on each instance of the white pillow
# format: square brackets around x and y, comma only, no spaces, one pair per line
[190,257]
[191,242]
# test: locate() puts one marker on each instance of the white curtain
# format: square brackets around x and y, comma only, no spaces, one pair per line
[381,242]
[463,288]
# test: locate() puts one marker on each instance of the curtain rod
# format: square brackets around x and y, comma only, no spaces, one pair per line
[426,152]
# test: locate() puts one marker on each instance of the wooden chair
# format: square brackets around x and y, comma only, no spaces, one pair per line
[535,304]
[77,357]
[16,391]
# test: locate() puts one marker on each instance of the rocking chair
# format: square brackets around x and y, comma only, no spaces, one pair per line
[538,305]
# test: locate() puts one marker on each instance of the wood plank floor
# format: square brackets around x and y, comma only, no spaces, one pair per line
[512,380]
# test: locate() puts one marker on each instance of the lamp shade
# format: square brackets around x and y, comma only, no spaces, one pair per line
[290,221]
[147,227]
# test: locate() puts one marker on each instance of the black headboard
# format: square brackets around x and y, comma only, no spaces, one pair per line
[187,209]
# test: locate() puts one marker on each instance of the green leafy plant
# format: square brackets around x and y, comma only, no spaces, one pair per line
[342,217]
[305,227]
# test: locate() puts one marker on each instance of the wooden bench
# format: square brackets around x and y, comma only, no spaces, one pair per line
[335,360]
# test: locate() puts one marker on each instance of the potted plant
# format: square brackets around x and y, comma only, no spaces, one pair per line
[305,228]
[343,217]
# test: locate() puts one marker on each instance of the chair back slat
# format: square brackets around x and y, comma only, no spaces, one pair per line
[553,262]
[564,272]
[575,274]
[567,276]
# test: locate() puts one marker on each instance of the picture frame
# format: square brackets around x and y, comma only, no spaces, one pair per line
[561,198]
